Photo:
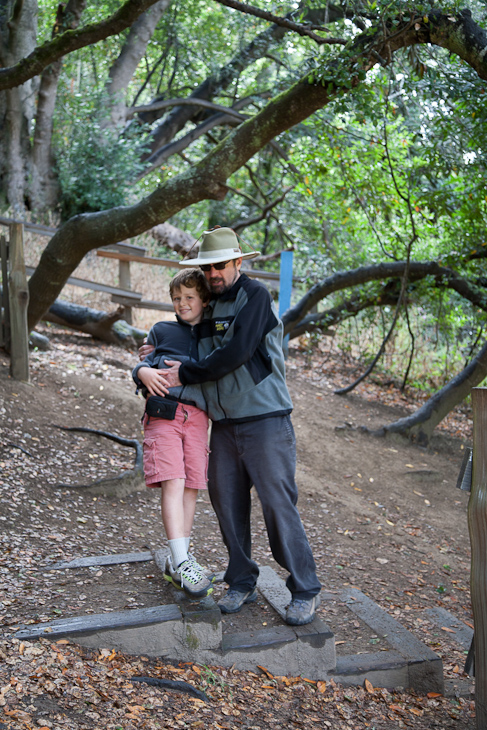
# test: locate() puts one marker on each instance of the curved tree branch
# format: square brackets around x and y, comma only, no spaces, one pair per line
[420,425]
[190,101]
[72,40]
[283,22]
[386,270]
[322,321]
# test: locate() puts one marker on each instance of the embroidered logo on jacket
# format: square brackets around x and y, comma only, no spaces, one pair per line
[221,325]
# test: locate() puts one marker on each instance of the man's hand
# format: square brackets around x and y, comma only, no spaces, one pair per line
[172,373]
[145,350]
[154,380]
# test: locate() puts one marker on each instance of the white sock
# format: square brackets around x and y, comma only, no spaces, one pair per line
[187,543]
[179,552]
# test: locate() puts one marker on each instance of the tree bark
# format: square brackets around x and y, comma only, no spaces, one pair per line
[420,425]
[322,321]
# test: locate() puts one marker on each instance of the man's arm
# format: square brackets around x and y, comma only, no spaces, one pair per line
[251,324]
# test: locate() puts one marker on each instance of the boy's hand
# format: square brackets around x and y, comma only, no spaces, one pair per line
[172,373]
[154,380]
[145,350]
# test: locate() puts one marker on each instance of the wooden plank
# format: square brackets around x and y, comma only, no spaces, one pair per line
[34,227]
[95,286]
[124,247]
[18,301]
[96,560]
[137,259]
[142,304]
[170,263]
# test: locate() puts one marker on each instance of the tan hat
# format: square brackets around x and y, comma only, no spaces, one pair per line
[220,244]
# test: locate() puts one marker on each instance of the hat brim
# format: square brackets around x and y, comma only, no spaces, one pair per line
[216,257]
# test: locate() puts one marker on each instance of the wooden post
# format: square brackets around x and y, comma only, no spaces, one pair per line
[5,313]
[124,283]
[477,525]
[18,300]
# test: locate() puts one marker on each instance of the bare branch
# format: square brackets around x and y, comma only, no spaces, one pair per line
[190,101]
[283,22]
[244,223]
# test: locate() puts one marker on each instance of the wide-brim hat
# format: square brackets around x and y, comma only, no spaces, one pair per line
[220,244]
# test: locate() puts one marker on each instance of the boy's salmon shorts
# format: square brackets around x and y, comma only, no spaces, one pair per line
[177,449]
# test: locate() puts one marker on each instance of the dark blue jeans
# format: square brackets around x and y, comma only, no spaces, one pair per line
[260,453]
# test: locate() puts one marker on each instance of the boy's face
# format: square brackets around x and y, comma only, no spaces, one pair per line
[188,304]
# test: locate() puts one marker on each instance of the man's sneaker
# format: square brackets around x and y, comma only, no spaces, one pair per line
[302,610]
[188,577]
[233,600]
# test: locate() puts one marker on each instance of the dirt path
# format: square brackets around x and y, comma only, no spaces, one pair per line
[381,515]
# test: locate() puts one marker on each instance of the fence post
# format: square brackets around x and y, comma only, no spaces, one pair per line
[285,288]
[5,313]
[124,283]
[18,300]
[477,525]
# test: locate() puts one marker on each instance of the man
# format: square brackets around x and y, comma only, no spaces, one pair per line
[242,373]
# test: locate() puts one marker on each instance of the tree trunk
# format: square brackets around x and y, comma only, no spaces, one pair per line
[19,40]
[108,327]
[420,425]
[123,69]
[44,188]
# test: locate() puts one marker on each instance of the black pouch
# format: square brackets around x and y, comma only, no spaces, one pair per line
[158,407]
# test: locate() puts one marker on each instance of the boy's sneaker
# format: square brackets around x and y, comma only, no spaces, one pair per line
[211,576]
[301,611]
[188,577]
[233,600]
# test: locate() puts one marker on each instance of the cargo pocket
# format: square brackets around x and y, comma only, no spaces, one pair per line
[150,462]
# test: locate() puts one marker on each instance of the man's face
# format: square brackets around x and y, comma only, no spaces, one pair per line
[221,280]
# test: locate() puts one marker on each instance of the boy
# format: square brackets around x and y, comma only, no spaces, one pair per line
[176,451]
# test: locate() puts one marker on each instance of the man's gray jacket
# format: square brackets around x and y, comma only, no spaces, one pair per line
[241,365]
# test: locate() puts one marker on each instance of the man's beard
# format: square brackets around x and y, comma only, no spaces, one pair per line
[218,285]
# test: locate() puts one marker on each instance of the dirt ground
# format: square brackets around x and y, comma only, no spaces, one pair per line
[381,514]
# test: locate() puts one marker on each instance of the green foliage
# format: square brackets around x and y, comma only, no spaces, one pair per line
[96,165]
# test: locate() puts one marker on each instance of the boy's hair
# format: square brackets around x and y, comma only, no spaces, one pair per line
[191,278]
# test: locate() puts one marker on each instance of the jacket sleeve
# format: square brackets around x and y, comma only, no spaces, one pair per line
[250,326]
